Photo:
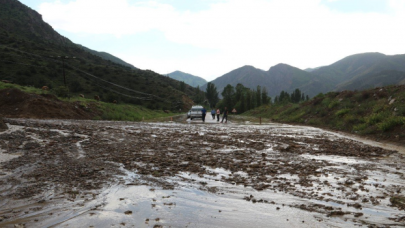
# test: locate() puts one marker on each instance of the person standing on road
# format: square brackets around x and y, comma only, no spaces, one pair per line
[225,115]
[203,113]
[213,114]
[218,113]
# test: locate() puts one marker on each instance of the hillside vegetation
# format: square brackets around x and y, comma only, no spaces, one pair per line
[379,112]
[33,54]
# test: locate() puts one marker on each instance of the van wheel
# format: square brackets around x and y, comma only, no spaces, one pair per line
[191,118]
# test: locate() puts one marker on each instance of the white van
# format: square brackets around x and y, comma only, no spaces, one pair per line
[195,112]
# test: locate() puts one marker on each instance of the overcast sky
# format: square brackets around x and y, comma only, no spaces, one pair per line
[209,38]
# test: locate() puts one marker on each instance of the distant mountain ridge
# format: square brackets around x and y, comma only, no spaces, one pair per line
[277,78]
[189,79]
[355,72]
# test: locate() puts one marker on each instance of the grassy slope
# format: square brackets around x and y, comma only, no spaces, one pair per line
[367,112]
[122,112]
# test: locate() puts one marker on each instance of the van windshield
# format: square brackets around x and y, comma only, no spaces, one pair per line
[196,109]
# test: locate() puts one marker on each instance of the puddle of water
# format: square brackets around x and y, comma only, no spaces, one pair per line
[334,159]
[187,208]
[6,157]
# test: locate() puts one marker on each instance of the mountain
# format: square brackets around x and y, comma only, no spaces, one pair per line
[187,78]
[29,51]
[20,20]
[108,56]
[373,80]
[349,67]
[277,78]
[247,75]
[355,72]
[364,71]
[311,69]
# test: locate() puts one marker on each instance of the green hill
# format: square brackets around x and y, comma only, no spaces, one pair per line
[32,53]
[379,112]
[187,78]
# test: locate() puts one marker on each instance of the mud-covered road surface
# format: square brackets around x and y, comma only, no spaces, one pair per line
[123,174]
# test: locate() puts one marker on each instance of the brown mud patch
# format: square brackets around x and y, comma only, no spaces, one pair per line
[15,103]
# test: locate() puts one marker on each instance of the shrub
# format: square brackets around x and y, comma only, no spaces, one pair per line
[296,117]
[326,101]
[390,123]
[366,94]
[320,95]
[333,104]
[360,127]
[347,94]
[61,91]
[351,119]
[342,112]
[332,94]
[323,113]
[379,107]
[376,118]
[314,122]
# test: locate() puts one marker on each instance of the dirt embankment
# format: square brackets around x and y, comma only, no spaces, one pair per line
[15,103]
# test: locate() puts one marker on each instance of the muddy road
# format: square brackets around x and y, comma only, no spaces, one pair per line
[123,174]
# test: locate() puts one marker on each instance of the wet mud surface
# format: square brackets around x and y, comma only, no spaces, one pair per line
[117,174]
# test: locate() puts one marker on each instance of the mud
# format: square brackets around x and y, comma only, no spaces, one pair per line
[15,103]
[3,126]
[98,173]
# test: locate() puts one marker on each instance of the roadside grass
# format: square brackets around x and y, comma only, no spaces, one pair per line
[110,111]
[375,111]
[125,112]
[27,89]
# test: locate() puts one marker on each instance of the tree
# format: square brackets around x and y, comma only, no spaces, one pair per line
[211,94]
[284,97]
[228,94]
[239,92]
[265,97]
[258,96]
[75,86]
[249,104]
[182,87]
[61,91]
[199,97]
[296,96]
